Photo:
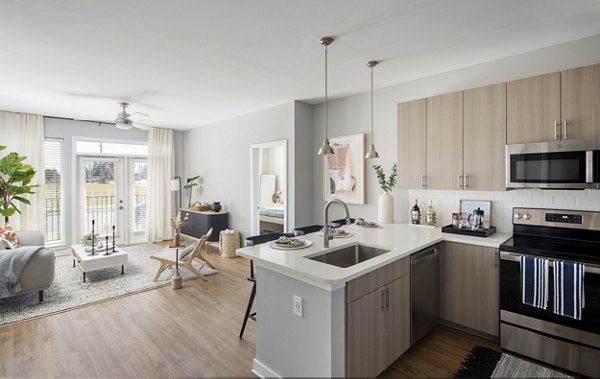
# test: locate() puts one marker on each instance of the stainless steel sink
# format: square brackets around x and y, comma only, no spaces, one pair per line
[348,256]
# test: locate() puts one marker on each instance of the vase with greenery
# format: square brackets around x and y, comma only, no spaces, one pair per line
[176,224]
[15,182]
[189,184]
[385,214]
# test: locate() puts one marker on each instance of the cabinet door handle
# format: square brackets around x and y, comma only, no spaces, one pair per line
[556,131]
[382,302]
[496,258]
[564,129]
[465,183]
[423,181]
[387,298]
[459,181]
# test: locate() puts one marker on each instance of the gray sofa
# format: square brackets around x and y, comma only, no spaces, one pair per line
[38,274]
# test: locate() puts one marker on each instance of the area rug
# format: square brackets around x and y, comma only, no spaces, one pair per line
[482,362]
[68,290]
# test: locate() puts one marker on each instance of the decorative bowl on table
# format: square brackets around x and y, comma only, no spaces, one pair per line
[289,243]
[360,223]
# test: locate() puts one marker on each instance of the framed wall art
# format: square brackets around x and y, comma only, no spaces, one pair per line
[468,206]
[344,170]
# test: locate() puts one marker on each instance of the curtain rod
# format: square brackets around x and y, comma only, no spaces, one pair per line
[72,119]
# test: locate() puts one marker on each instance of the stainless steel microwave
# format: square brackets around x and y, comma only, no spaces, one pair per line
[567,164]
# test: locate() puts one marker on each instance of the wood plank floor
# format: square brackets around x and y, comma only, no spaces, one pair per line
[191,332]
[437,355]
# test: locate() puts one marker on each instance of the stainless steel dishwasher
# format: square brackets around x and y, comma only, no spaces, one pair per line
[424,291]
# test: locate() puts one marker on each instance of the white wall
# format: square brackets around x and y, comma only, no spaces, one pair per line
[220,154]
[304,150]
[351,114]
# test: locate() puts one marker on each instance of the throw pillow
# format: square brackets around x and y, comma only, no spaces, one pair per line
[187,250]
[5,245]
[10,235]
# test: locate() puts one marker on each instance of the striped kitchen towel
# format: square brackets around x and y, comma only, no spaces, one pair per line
[569,291]
[534,281]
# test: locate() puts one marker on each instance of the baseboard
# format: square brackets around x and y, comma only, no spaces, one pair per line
[469,330]
[263,371]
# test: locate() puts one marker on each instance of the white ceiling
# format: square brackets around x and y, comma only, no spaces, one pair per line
[189,63]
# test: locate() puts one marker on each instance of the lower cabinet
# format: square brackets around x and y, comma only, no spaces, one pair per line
[378,321]
[469,286]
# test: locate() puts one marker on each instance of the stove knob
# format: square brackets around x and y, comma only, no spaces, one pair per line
[518,216]
[527,216]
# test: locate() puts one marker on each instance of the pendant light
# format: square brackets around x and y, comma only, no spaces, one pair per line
[325,148]
[372,153]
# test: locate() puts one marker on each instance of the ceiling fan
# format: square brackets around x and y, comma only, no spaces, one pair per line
[124,121]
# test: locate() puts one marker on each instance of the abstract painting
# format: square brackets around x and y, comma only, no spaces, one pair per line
[344,170]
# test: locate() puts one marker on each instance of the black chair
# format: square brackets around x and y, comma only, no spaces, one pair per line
[307,229]
[340,222]
[253,241]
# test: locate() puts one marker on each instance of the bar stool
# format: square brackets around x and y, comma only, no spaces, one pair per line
[253,241]
[307,229]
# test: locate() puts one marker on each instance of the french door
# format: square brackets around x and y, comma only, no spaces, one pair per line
[112,193]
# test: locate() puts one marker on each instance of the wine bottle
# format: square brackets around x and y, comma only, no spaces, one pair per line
[415,213]
[430,215]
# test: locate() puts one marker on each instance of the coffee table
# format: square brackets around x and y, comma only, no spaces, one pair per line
[98,261]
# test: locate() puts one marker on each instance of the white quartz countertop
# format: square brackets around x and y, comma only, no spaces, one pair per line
[401,239]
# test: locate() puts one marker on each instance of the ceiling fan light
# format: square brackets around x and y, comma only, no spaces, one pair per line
[124,124]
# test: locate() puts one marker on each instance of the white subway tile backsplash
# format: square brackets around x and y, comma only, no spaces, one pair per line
[553,192]
[447,202]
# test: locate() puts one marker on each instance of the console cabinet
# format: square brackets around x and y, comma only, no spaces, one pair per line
[200,222]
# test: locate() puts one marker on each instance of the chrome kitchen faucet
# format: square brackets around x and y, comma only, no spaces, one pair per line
[326,236]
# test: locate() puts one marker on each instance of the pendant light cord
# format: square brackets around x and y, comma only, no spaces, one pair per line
[372,135]
[326,91]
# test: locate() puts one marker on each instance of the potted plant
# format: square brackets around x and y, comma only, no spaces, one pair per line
[189,184]
[15,179]
[386,200]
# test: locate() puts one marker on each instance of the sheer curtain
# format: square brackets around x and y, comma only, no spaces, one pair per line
[31,127]
[24,134]
[161,169]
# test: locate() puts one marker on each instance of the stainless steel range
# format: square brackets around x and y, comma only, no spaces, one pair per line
[535,328]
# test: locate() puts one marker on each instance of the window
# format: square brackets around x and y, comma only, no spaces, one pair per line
[108,148]
[53,191]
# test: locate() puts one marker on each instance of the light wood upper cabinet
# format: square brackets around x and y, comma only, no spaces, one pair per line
[484,133]
[533,106]
[445,141]
[411,143]
[581,102]
[469,286]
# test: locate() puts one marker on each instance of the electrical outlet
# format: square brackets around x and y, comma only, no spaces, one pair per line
[298,306]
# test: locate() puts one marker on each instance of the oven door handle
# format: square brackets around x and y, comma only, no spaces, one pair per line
[506,256]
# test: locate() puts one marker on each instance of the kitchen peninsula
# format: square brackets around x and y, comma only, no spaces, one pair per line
[312,340]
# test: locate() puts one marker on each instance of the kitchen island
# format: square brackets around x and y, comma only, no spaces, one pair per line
[314,342]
